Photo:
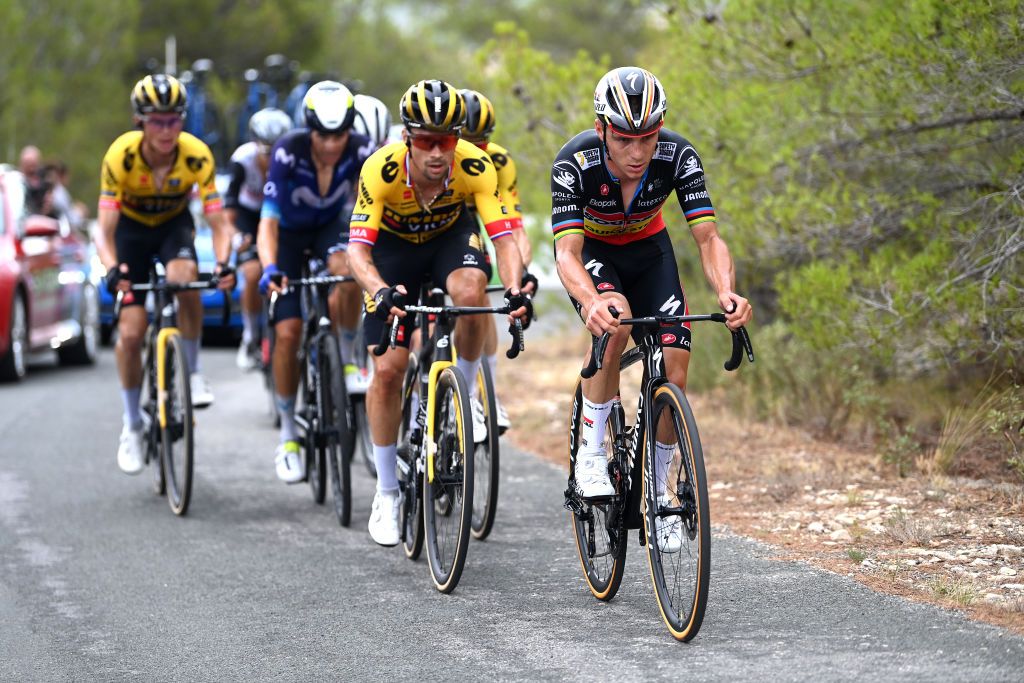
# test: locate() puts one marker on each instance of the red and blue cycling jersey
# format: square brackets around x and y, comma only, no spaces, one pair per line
[586,199]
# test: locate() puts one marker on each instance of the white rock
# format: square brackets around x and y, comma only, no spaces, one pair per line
[816,527]
[978,562]
[1007,571]
[841,535]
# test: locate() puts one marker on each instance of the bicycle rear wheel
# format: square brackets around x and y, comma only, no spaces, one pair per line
[597,527]
[409,479]
[364,443]
[177,428]
[307,405]
[150,420]
[485,460]
[676,517]
[447,531]
[332,420]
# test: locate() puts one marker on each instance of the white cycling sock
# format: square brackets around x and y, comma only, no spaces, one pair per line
[592,424]
[347,345]
[469,368]
[250,323]
[386,459]
[132,414]
[191,347]
[286,409]
[663,452]
[492,363]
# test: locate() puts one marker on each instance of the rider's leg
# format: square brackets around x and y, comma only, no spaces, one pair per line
[190,309]
[345,306]
[131,329]
[252,302]
[467,287]
[286,374]
[384,410]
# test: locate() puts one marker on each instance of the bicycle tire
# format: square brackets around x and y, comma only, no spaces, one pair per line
[680,575]
[410,482]
[177,436]
[316,463]
[332,416]
[151,424]
[364,442]
[600,544]
[486,460]
[447,535]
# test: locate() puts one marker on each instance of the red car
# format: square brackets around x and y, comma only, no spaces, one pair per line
[46,298]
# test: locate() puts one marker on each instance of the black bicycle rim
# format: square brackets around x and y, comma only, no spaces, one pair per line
[486,460]
[447,535]
[680,568]
[333,417]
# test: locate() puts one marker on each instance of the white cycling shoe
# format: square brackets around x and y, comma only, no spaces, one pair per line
[202,395]
[504,424]
[592,474]
[357,380]
[669,529]
[244,359]
[383,524]
[291,467]
[129,451]
[479,421]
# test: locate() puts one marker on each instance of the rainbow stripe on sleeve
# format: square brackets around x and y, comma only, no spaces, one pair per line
[701,214]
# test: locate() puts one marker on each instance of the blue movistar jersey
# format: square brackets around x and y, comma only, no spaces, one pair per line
[292,194]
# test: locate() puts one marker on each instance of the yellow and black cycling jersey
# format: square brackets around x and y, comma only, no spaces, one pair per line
[508,182]
[387,200]
[126,180]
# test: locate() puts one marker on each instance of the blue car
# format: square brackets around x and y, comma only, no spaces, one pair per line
[213,299]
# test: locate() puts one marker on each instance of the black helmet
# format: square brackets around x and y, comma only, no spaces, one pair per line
[159,94]
[433,106]
[479,116]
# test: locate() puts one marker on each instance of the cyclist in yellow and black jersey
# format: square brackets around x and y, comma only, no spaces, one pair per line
[410,223]
[146,182]
[480,122]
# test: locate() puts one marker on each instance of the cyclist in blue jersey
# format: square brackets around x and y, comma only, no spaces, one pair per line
[306,204]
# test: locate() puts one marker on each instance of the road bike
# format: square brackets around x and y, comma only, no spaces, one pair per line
[323,409]
[665,498]
[166,397]
[435,441]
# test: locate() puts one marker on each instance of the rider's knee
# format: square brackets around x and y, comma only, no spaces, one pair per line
[388,376]
[286,335]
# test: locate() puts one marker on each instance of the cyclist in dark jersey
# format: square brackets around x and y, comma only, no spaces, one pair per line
[242,203]
[307,201]
[608,186]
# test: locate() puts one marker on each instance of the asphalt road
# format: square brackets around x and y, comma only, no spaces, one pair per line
[99,581]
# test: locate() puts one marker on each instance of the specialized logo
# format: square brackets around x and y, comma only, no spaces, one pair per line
[588,158]
[594,267]
[671,305]
[632,79]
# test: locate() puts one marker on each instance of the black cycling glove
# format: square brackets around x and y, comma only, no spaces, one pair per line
[385,299]
[529,278]
[112,278]
[518,301]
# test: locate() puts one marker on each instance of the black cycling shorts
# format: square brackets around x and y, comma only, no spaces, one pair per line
[137,244]
[644,272]
[248,223]
[400,262]
[291,247]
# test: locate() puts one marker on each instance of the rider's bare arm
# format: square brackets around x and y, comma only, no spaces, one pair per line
[576,280]
[720,273]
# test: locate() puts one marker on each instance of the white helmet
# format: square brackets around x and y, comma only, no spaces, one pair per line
[372,119]
[328,107]
[267,125]
[630,100]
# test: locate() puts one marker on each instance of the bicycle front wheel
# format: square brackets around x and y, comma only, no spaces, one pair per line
[177,428]
[676,517]
[335,431]
[485,459]
[448,494]
[597,526]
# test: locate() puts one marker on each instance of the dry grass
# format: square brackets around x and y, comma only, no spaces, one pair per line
[962,427]
[960,591]
[906,530]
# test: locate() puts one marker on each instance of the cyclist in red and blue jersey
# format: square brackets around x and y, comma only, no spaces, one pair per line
[307,202]
[608,186]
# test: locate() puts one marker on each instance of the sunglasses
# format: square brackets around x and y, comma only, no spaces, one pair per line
[164,123]
[445,143]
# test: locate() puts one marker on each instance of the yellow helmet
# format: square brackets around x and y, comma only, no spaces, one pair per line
[434,106]
[479,116]
[159,93]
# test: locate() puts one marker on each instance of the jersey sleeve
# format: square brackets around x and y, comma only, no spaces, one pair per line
[483,185]
[566,197]
[111,174]
[376,176]
[206,177]
[280,168]
[690,189]
[234,186]
[508,187]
